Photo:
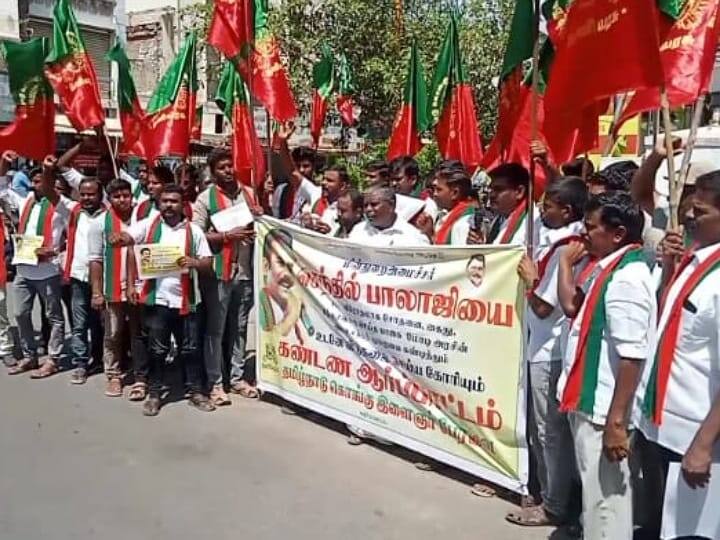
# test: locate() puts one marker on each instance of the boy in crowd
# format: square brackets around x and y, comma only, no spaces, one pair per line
[613,324]
[108,279]
[549,432]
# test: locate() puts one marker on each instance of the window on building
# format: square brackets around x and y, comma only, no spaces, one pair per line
[219,123]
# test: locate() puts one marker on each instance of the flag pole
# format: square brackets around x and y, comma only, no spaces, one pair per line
[674,195]
[618,109]
[691,140]
[112,154]
[534,105]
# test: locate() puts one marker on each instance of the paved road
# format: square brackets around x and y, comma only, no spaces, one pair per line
[78,465]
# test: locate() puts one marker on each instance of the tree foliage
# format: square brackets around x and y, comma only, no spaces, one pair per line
[376,36]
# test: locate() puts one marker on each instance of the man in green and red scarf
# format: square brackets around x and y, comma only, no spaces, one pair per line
[171,300]
[681,403]
[44,216]
[612,307]
[228,292]
[452,192]
[108,280]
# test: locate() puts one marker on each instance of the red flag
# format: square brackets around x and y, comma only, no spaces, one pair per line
[239,30]
[452,104]
[32,133]
[687,52]
[605,48]
[323,85]
[171,110]
[71,73]
[132,116]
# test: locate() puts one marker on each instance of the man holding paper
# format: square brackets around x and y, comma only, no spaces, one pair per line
[44,217]
[225,212]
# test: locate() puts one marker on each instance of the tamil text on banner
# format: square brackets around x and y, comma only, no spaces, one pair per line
[420,346]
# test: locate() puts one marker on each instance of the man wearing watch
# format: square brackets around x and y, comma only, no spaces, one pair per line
[45,214]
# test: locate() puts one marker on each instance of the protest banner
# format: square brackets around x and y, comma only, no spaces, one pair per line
[420,346]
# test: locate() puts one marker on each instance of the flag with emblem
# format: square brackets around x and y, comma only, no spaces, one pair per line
[346,90]
[132,116]
[323,81]
[32,133]
[239,29]
[452,104]
[171,109]
[71,73]
[411,119]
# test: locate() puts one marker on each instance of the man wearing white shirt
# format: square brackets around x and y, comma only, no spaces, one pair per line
[613,311]
[452,192]
[405,179]
[680,400]
[43,216]
[548,429]
[228,294]
[382,227]
[288,199]
[159,177]
[323,215]
[171,301]
[77,274]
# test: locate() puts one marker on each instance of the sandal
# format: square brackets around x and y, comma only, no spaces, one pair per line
[482,490]
[46,370]
[138,392]
[245,389]
[22,367]
[533,516]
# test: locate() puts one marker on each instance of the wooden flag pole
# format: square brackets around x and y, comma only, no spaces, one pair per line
[534,105]
[699,107]
[112,154]
[674,194]
[618,108]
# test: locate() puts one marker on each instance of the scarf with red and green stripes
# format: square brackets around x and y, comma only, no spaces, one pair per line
[187,287]
[44,221]
[579,394]
[144,209]
[320,206]
[515,220]
[223,261]
[138,191]
[72,233]
[654,400]
[443,236]
[113,259]
[267,317]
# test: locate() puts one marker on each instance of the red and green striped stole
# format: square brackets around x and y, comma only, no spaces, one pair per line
[188,210]
[217,202]
[137,192]
[187,288]
[44,222]
[112,260]
[320,206]
[545,259]
[443,236]
[72,233]
[654,400]
[515,220]
[144,209]
[579,394]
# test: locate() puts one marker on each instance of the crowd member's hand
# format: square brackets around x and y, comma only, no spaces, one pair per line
[695,465]
[424,223]
[133,297]
[573,253]
[97,302]
[286,130]
[661,151]
[616,443]
[8,156]
[269,185]
[188,262]
[672,245]
[527,270]
[121,239]
[538,151]
[256,210]
[49,163]
[45,253]
[475,237]
[244,235]
[320,226]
